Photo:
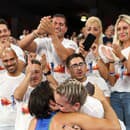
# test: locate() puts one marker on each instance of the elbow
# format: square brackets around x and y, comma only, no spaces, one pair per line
[118,125]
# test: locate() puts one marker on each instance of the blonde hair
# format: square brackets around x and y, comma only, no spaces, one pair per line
[92,20]
[122,17]
[73,90]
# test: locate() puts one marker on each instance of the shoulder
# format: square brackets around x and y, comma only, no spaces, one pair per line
[15,47]
[32,124]
[92,100]
[125,52]
[69,43]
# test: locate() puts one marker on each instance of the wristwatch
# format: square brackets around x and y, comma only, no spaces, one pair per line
[123,60]
[47,73]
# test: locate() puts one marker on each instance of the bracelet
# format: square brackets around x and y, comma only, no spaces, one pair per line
[112,73]
[123,60]
[112,62]
[47,73]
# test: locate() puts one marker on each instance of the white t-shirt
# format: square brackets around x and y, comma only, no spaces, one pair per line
[100,82]
[123,82]
[92,69]
[93,74]
[7,106]
[23,116]
[45,45]
[93,107]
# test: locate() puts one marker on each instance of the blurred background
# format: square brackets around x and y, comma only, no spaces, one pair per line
[26,14]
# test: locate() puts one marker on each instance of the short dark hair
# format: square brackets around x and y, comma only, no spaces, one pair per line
[62,16]
[74,55]
[3,21]
[34,61]
[39,100]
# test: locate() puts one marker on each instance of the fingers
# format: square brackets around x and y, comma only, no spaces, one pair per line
[81,49]
[98,93]
[71,126]
[43,61]
[53,105]
[45,25]
[28,68]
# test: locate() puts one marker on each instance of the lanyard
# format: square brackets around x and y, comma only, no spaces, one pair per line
[90,67]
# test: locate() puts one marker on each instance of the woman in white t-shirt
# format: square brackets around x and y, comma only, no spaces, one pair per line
[119,72]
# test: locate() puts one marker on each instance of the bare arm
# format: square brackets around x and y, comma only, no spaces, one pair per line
[62,52]
[128,64]
[21,65]
[22,88]
[48,28]
[117,51]
[32,124]
[52,81]
[27,43]
[102,69]
[111,77]
[109,122]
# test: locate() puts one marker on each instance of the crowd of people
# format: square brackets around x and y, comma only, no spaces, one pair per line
[48,81]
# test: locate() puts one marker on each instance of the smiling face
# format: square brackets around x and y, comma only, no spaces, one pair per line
[10,61]
[94,29]
[4,33]
[94,26]
[123,31]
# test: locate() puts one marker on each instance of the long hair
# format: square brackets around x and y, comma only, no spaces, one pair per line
[122,17]
[94,19]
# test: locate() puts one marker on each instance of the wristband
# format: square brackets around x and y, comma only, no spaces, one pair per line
[47,73]
[112,62]
[123,60]
[112,73]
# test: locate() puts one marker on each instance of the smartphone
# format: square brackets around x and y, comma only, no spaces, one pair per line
[90,88]
[89,41]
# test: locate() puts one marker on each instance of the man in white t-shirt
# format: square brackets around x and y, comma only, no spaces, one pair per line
[9,80]
[6,42]
[77,68]
[33,77]
[56,47]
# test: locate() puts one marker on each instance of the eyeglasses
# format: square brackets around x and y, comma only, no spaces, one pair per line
[75,66]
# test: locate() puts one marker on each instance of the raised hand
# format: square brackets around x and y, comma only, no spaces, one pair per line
[98,93]
[117,50]
[46,25]
[81,48]
[108,53]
